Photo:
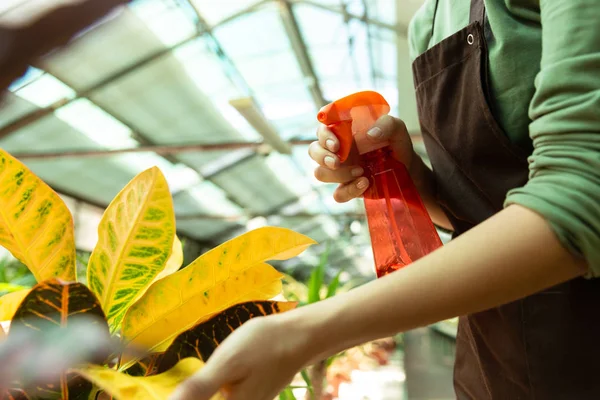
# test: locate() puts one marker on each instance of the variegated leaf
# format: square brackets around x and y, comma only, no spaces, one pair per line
[231,273]
[174,262]
[135,238]
[35,224]
[53,307]
[202,340]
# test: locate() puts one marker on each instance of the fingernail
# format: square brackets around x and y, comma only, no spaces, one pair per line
[330,144]
[329,161]
[362,184]
[375,132]
[356,172]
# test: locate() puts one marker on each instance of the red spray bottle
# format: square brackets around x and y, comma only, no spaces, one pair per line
[400,227]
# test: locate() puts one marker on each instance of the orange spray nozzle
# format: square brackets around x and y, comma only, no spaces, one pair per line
[350,117]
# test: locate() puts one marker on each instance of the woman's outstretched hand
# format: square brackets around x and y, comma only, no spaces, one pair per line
[255,362]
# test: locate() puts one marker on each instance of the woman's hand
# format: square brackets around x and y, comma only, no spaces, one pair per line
[349,174]
[255,362]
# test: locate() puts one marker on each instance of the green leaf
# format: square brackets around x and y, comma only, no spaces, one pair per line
[135,239]
[287,394]
[11,287]
[202,340]
[333,285]
[306,379]
[317,278]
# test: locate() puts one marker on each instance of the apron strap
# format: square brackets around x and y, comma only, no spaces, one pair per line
[477,12]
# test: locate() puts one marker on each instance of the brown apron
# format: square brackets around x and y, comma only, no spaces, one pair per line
[546,346]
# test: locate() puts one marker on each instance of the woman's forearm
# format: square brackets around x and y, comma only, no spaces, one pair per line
[424,180]
[510,256]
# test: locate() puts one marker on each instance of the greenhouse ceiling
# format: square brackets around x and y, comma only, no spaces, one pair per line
[222,95]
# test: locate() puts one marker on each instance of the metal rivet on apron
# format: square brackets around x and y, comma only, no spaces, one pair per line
[470,38]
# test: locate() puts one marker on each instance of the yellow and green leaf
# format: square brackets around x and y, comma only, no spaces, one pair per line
[202,340]
[9,303]
[35,224]
[174,262]
[135,238]
[127,387]
[53,305]
[11,287]
[231,273]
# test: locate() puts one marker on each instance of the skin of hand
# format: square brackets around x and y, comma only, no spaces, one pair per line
[261,350]
[349,175]
[511,255]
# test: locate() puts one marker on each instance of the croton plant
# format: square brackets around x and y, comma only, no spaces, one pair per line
[136,292]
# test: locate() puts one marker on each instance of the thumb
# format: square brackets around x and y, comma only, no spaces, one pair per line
[393,130]
[388,128]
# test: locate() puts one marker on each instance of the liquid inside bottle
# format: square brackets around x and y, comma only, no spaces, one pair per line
[399,224]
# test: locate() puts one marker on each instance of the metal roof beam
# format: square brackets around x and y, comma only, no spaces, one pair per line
[301,52]
[170,149]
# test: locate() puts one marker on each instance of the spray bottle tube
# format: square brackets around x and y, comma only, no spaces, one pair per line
[400,228]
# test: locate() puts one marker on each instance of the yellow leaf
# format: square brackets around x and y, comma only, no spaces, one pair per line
[231,273]
[174,262]
[127,387]
[135,238]
[10,302]
[35,224]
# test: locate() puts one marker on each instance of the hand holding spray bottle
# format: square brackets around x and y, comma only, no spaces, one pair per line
[400,227]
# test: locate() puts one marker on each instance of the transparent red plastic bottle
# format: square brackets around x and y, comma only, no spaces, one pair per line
[399,225]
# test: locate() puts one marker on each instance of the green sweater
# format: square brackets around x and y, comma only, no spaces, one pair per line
[545,77]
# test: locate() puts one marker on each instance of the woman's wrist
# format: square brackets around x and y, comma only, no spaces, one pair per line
[425,183]
[313,338]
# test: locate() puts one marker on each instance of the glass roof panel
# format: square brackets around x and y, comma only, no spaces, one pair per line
[13,107]
[166,19]
[265,59]
[288,173]
[215,11]
[206,71]
[29,76]
[212,198]
[45,90]
[96,124]
[385,10]
[204,229]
